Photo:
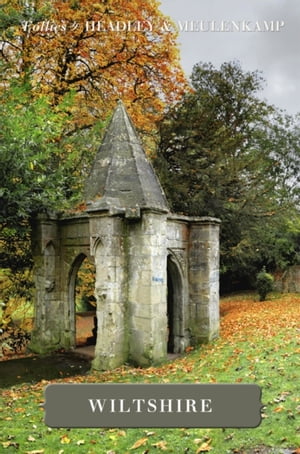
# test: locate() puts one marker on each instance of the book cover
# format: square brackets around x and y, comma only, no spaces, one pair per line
[149,226]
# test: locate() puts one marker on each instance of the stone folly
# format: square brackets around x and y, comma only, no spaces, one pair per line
[157,273]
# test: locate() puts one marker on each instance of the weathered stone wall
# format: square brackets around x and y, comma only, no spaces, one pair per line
[156,283]
[146,248]
[289,281]
[46,334]
[58,249]
[204,280]
[111,292]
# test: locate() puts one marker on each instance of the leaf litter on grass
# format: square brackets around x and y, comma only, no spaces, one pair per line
[258,343]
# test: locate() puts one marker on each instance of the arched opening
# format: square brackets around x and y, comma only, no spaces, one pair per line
[83,302]
[174,306]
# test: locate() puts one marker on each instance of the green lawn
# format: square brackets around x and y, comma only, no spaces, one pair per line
[259,344]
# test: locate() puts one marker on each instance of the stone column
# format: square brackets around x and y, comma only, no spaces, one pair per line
[204,279]
[107,234]
[147,289]
[46,334]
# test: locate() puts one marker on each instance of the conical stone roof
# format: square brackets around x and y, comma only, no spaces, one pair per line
[122,179]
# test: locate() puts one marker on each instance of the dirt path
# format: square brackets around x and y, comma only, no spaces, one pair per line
[35,368]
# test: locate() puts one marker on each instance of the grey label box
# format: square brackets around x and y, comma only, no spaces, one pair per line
[153,405]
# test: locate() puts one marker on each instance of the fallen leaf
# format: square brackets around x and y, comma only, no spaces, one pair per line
[122,433]
[138,443]
[65,440]
[7,444]
[229,437]
[278,409]
[30,438]
[160,445]
[204,447]
[19,410]
[80,442]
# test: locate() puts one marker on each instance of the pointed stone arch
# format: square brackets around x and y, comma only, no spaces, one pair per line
[175,306]
[71,296]
[75,267]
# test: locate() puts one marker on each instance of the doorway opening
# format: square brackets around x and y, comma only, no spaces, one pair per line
[83,303]
[174,306]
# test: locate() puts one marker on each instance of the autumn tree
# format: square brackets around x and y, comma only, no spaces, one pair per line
[94,53]
[102,51]
[226,153]
[91,53]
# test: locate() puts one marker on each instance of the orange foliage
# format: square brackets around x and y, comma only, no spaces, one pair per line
[103,51]
[249,319]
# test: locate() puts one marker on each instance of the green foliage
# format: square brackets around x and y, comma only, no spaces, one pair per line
[16,310]
[14,14]
[281,246]
[43,162]
[225,153]
[42,165]
[206,138]
[264,284]
[85,287]
[42,159]
[30,172]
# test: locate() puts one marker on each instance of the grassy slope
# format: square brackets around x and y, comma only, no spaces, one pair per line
[258,344]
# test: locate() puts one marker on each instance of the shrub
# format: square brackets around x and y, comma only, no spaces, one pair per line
[264,284]
[13,340]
